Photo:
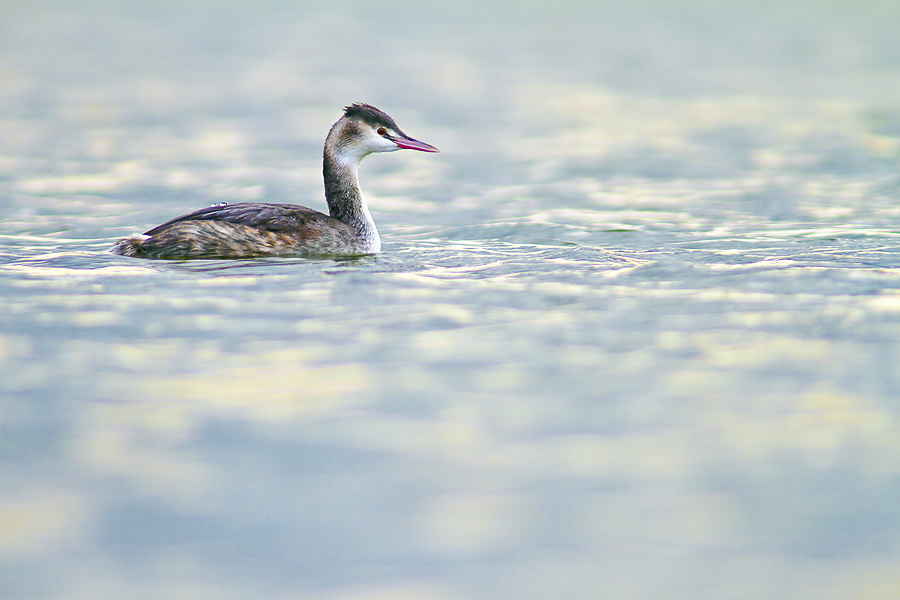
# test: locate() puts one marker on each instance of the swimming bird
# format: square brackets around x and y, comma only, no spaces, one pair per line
[253,229]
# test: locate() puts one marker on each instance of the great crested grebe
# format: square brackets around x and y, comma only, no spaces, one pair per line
[252,229]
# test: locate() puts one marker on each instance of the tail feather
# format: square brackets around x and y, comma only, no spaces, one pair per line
[130,246]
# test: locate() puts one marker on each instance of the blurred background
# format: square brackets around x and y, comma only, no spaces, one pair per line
[634,334]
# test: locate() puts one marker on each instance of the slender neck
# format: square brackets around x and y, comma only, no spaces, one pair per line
[345,201]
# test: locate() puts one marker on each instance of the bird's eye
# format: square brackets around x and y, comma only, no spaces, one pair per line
[381,131]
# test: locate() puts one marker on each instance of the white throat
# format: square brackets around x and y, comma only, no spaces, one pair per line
[372,239]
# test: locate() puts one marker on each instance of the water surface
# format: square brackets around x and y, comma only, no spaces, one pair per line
[633,334]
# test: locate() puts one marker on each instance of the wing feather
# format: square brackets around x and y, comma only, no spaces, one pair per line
[277,218]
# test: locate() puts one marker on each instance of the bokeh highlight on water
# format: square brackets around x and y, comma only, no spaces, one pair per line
[634,334]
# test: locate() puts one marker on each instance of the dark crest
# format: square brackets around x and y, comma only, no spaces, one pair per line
[370,115]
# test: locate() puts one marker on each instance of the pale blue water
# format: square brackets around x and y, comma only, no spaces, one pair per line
[634,334]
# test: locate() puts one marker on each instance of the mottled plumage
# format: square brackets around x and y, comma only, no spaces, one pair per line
[245,230]
[252,229]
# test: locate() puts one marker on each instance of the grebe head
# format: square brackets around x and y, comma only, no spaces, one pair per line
[365,129]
